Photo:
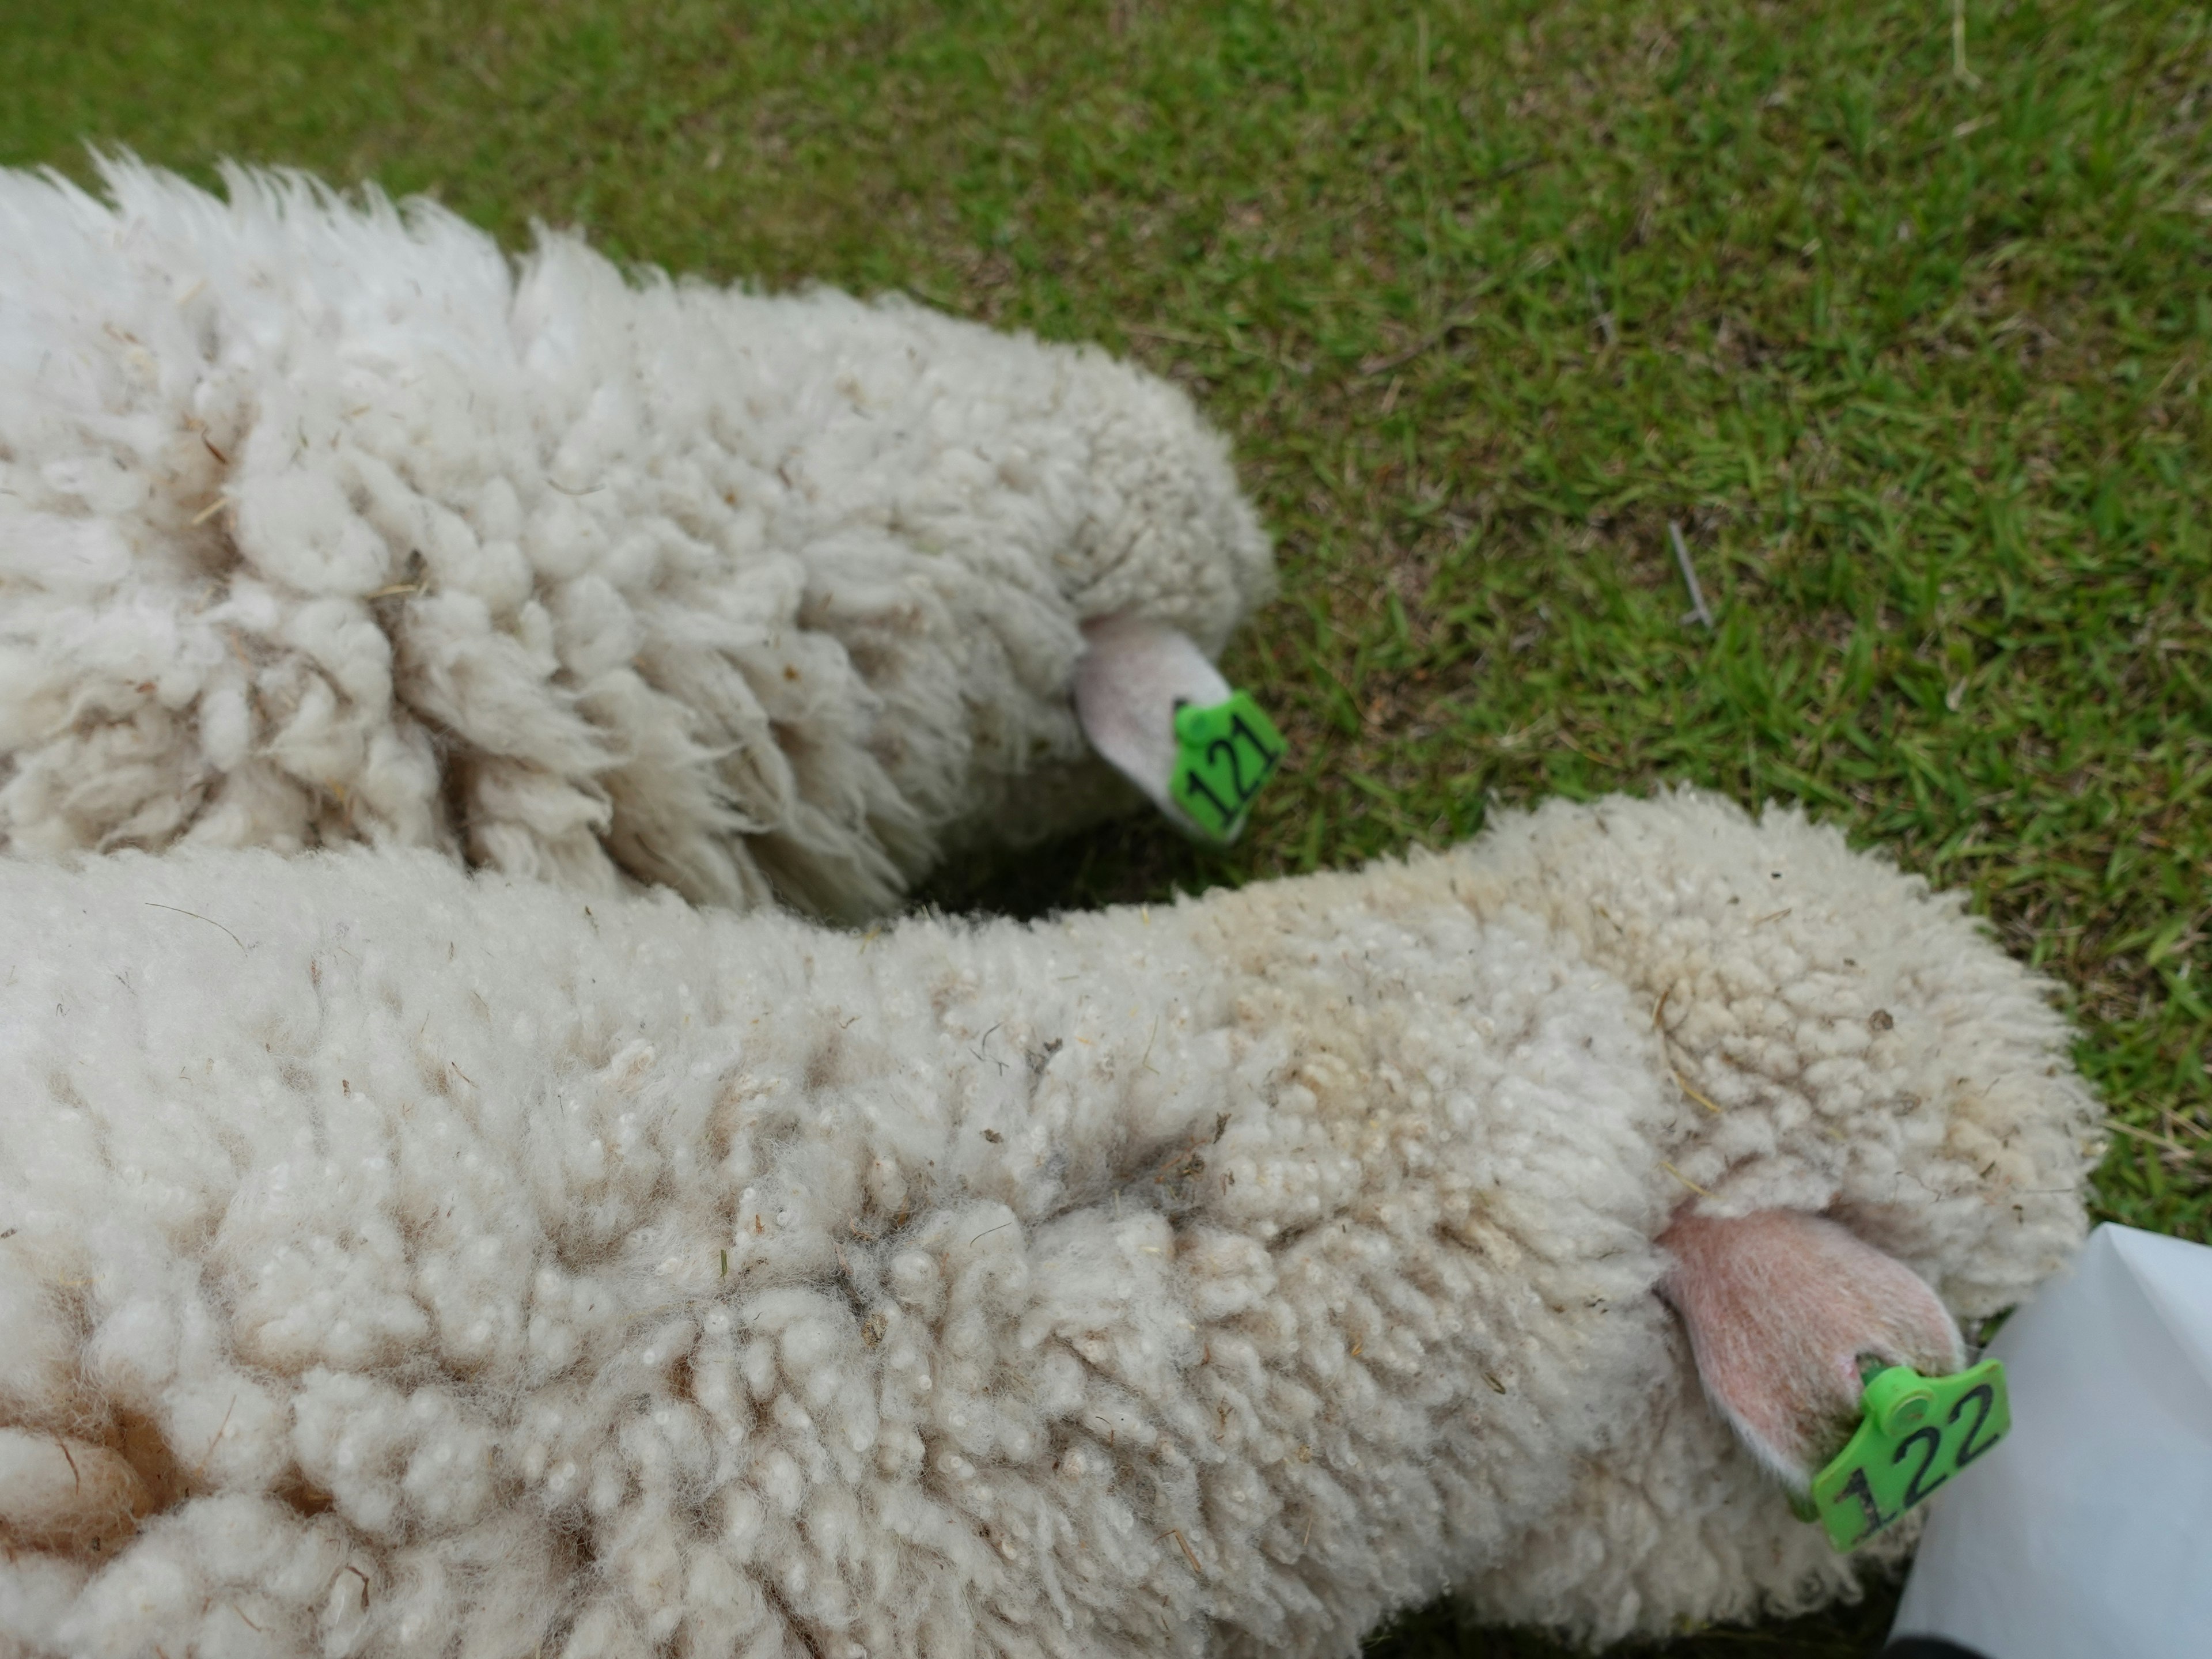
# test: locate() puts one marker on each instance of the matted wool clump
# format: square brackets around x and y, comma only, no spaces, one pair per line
[394,1261]
[322,520]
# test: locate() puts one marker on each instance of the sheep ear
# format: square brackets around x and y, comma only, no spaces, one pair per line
[1133,677]
[1781,1308]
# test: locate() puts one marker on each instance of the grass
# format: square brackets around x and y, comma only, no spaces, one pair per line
[1913,347]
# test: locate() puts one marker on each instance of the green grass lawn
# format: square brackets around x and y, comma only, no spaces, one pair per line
[1906,322]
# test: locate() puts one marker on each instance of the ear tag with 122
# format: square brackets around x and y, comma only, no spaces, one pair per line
[1915,1433]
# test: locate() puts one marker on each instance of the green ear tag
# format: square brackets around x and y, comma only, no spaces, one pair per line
[1223,755]
[1915,1433]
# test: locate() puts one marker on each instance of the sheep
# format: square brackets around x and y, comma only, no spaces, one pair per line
[394,1260]
[321,521]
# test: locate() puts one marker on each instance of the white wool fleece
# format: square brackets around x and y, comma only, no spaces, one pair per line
[394,1261]
[321,521]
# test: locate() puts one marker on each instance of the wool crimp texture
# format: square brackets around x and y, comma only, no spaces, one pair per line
[410,1263]
[322,520]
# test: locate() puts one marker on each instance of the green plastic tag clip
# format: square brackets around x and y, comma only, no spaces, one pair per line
[1916,1432]
[1223,755]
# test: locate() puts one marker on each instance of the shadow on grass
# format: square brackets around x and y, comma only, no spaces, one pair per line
[1137,859]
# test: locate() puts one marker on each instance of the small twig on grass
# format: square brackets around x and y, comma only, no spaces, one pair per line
[2194,1154]
[1170,336]
[1427,343]
[1499,175]
[1591,755]
[1959,44]
[1201,343]
[1698,607]
[1606,330]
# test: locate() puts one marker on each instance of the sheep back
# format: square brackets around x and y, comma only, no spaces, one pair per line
[321,521]
[454,1259]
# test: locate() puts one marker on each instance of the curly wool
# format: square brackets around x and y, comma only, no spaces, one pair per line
[322,521]
[412,1263]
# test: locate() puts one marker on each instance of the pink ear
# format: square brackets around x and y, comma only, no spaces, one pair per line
[1780,1307]
[1127,686]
